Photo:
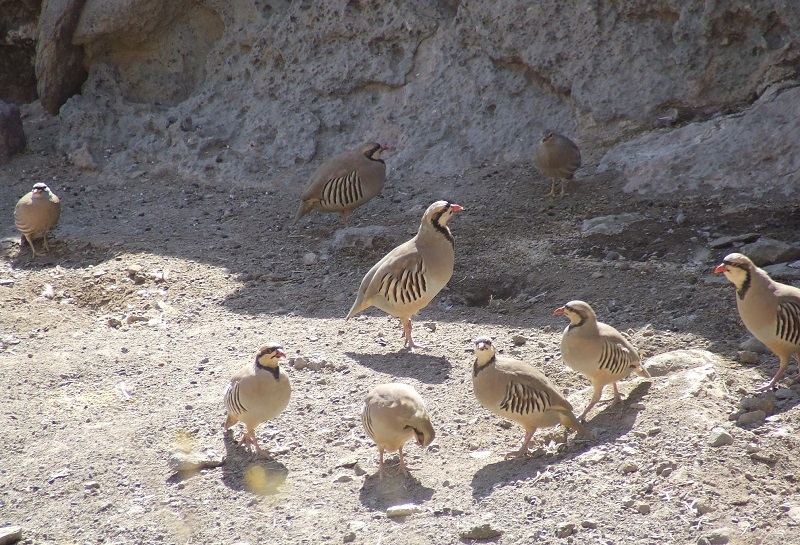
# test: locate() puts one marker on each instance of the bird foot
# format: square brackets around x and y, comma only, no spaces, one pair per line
[516,453]
[767,386]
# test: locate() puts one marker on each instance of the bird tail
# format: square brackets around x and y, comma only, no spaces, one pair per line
[641,371]
[230,421]
[304,209]
[569,420]
[357,307]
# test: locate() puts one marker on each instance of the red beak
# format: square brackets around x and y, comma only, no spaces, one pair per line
[280,353]
[720,268]
[560,310]
[384,148]
[456,207]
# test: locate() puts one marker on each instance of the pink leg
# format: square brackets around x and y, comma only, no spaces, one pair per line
[380,462]
[403,462]
[523,450]
[406,323]
[617,397]
[771,384]
[344,219]
[598,390]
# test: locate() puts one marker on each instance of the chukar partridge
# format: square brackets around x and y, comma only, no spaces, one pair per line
[597,351]
[345,182]
[770,310]
[557,157]
[516,390]
[35,214]
[258,392]
[394,413]
[410,276]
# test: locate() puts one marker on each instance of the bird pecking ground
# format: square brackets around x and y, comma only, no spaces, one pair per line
[116,347]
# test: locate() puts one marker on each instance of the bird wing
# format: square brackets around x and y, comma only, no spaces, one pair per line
[788,322]
[335,168]
[617,352]
[529,390]
[399,277]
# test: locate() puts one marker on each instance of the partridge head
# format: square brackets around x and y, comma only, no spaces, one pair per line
[519,392]
[393,414]
[597,351]
[258,392]
[35,214]
[406,279]
[345,182]
[770,310]
[557,157]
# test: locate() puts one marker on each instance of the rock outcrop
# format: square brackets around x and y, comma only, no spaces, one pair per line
[219,88]
[17,49]
[59,63]
[12,135]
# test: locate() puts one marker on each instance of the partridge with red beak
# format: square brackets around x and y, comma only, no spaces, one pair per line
[515,390]
[770,310]
[345,182]
[258,392]
[410,276]
[597,351]
[36,213]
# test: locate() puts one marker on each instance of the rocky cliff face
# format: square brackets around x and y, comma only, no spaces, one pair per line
[250,90]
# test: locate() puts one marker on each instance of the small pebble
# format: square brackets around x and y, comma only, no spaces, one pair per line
[719,437]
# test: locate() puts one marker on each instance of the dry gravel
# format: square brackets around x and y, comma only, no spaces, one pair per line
[116,347]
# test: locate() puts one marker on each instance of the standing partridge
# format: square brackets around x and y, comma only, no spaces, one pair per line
[515,390]
[597,351]
[410,276]
[258,392]
[394,413]
[770,310]
[345,182]
[557,157]
[35,214]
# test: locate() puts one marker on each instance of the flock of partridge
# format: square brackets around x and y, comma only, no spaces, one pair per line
[408,278]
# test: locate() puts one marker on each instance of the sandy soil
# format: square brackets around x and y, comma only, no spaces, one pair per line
[116,347]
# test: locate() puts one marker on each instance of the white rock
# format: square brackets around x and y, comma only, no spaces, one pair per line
[10,534]
[678,360]
[310,258]
[607,225]
[403,510]
[195,461]
[719,437]
[481,530]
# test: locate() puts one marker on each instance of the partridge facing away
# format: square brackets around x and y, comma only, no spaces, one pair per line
[394,413]
[557,157]
[770,310]
[345,182]
[258,392]
[410,276]
[597,351]
[36,213]
[516,390]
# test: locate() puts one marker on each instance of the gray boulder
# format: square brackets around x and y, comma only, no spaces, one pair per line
[59,63]
[12,135]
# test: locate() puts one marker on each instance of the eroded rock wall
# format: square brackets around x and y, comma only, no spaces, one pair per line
[250,90]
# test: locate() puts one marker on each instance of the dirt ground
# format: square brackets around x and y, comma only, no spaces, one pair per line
[116,347]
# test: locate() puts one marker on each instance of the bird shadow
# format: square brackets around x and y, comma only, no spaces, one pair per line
[615,421]
[62,253]
[395,488]
[423,367]
[605,427]
[244,470]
